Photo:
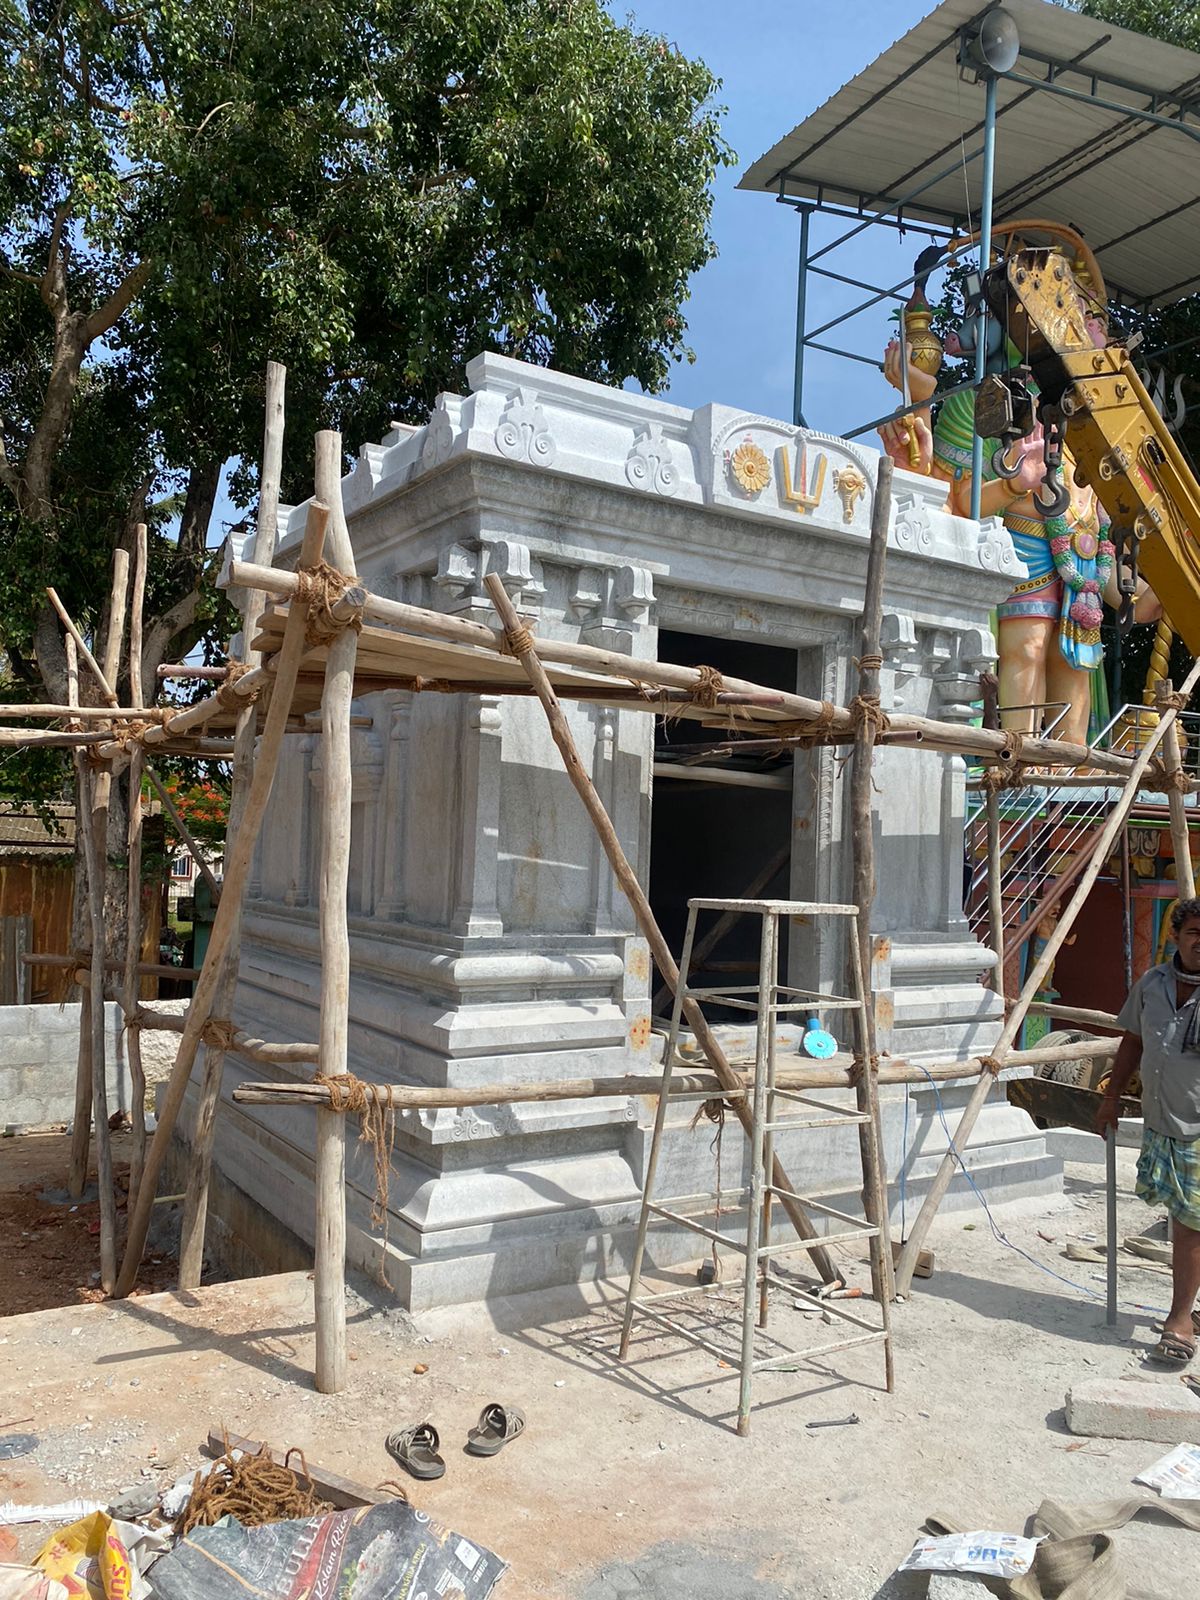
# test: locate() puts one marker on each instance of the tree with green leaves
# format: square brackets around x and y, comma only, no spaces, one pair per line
[370,191]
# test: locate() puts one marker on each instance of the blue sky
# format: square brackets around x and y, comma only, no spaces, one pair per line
[779,60]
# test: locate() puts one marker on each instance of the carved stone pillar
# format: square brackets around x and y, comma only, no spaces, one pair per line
[476,908]
[391,897]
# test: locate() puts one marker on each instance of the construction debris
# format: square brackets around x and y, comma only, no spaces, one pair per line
[377,1554]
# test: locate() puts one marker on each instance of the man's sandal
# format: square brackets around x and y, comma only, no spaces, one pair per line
[496,1426]
[1173,1350]
[416,1450]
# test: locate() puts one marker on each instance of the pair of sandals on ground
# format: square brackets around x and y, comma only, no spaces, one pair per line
[1173,1350]
[416,1448]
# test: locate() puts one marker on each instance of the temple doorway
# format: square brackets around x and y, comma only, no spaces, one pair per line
[721,823]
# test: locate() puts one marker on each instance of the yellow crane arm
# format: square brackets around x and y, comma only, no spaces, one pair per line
[1120,443]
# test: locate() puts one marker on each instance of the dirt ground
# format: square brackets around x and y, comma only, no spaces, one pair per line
[629,1481]
[49,1245]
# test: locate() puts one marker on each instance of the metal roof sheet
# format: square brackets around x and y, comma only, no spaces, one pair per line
[1130,187]
[24,832]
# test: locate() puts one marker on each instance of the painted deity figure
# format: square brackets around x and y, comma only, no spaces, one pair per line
[1049,626]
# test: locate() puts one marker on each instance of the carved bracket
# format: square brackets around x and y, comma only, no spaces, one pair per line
[523,433]
[610,604]
[649,464]
[462,569]
[956,660]
[898,644]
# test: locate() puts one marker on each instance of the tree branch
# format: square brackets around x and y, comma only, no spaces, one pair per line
[118,302]
[53,284]
[164,630]
[203,482]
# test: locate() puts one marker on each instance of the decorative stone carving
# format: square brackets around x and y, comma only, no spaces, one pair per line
[359,487]
[461,571]
[898,644]
[957,660]
[523,433]
[457,571]
[585,596]
[611,603]
[516,569]
[749,468]
[649,464]
[996,552]
[439,435]
[633,592]
[851,486]
[913,528]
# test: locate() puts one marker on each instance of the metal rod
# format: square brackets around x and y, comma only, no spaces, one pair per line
[995,889]
[895,204]
[1132,112]
[1110,1206]
[985,255]
[767,977]
[801,304]
[846,213]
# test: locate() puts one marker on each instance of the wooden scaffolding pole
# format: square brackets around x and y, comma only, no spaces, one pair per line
[329,1264]
[133,938]
[237,868]
[81,1127]
[195,1205]
[862,834]
[1034,981]
[955,738]
[185,833]
[95,793]
[1181,842]
[826,1075]
[520,642]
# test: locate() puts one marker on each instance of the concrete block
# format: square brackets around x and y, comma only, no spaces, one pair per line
[1161,1409]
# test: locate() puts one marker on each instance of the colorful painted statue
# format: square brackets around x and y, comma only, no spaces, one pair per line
[1049,627]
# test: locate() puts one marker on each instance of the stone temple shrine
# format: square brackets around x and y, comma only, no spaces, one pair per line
[488,939]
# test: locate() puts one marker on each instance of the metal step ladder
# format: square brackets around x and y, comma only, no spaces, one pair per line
[768,1000]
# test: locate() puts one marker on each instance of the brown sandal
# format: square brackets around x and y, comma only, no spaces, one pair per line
[1173,1350]
[496,1426]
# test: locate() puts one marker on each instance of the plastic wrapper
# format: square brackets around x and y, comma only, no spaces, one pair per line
[381,1552]
[983,1552]
[1177,1475]
[12,1512]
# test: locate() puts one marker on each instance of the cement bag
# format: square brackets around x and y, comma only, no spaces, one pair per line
[381,1552]
[28,1583]
[92,1561]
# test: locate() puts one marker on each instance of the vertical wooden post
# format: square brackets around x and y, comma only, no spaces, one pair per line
[195,1204]
[237,868]
[133,941]
[866,1086]
[95,789]
[329,1275]
[1033,982]
[81,1128]
[522,646]
[1181,841]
